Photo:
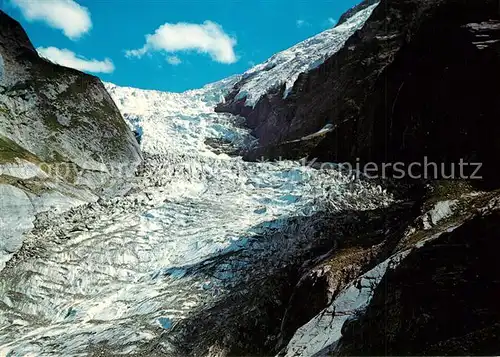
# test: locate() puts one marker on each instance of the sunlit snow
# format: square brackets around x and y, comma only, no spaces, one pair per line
[286,66]
[322,334]
[122,271]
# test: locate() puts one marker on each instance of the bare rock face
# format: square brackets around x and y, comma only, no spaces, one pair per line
[53,114]
[349,13]
[417,80]
[441,300]
[62,139]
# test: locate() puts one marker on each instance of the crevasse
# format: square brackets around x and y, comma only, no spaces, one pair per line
[120,272]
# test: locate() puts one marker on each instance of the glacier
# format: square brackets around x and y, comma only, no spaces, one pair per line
[117,271]
[16,217]
[286,66]
[123,271]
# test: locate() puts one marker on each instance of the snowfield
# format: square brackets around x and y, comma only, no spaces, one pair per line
[118,271]
[321,335]
[123,271]
[286,66]
[178,122]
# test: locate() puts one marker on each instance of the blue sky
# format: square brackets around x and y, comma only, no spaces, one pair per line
[192,42]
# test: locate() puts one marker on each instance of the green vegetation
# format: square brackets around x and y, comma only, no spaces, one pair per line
[8,180]
[9,151]
[58,167]
[35,185]
[95,127]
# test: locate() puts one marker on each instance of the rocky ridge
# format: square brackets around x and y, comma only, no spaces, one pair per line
[416,80]
[63,141]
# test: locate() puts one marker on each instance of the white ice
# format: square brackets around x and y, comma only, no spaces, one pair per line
[117,272]
[440,211]
[16,218]
[286,66]
[114,278]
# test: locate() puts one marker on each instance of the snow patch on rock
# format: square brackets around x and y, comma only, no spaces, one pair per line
[321,335]
[324,330]
[440,211]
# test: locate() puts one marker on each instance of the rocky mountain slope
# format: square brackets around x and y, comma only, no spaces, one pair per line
[61,137]
[284,68]
[189,231]
[210,255]
[335,296]
[55,113]
[441,300]
[415,81]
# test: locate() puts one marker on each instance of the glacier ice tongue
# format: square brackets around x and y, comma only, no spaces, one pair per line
[110,270]
[179,122]
[123,271]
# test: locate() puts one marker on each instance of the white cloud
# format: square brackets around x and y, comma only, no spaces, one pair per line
[331,21]
[174,60]
[208,38]
[68,58]
[66,15]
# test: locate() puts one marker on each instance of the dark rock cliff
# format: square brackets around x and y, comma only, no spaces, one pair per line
[349,13]
[441,300]
[62,139]
[419,79]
